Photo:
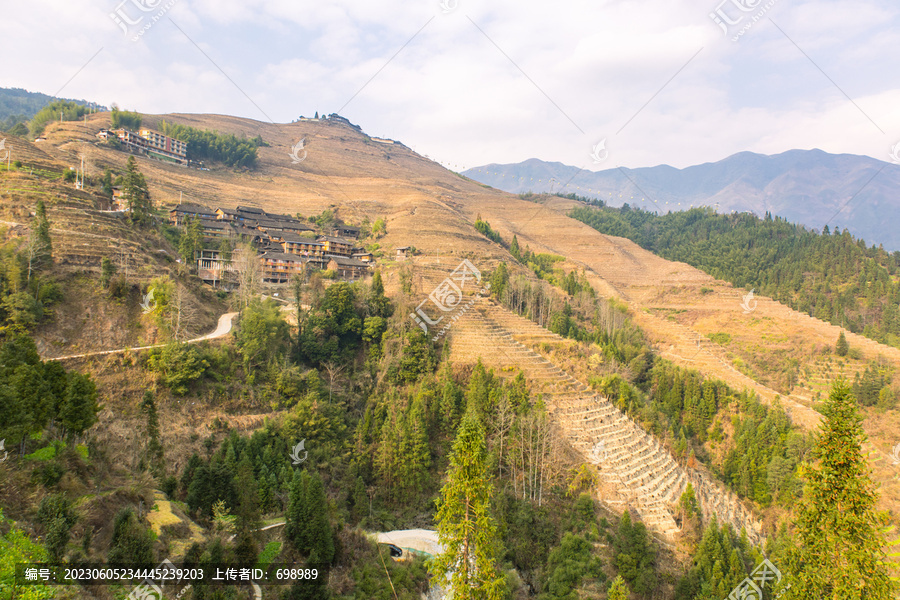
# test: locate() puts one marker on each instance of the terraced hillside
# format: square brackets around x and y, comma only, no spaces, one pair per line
[636,469]
[433,209]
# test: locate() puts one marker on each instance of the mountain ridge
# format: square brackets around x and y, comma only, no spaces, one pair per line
[811,187]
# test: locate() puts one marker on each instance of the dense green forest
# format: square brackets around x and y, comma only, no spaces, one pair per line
[829,275]
[212,145]
[18,106]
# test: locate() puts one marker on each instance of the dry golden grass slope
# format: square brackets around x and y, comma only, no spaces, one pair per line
[773,350]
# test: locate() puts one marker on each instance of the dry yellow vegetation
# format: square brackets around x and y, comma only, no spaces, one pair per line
[433,209]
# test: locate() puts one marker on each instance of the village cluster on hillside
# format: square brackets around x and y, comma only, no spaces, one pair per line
[150,143]
[285,245]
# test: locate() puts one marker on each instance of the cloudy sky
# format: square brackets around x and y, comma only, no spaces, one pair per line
[469,82]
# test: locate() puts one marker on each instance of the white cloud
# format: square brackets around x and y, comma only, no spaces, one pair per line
[452,94]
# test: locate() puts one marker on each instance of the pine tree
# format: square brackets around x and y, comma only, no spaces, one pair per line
[136,194]
[308,528]
[618,590]
[132,543]
[514,248]
[80,410]
[464,524]
[321,539]
[838,550]
[155,453]
[841,348]
[248,507]
[107,270]
[191,240]
[378,304]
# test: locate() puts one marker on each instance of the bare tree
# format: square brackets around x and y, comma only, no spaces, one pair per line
[248,272]
[501,425]
[36,251]
[334,371]
[184,315]
[124,256]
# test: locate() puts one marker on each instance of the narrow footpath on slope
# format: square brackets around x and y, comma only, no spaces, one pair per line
[223,328]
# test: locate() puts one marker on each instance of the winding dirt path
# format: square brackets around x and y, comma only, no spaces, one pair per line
[223,328]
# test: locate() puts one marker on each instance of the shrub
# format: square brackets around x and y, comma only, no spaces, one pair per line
[179,365]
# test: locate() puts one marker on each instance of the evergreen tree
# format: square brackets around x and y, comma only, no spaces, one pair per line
[131,542]
[41,228]
[618,590]
[514,248]
[379,305]
[321,539]
[56,515]
[136,194]
[464,524]
[248,507]
[107,270]
[80,410]
[307,526]
[499,280]
[635,556]
[106,183]
[155,453]
[841,348]
[838,551]
[191,240]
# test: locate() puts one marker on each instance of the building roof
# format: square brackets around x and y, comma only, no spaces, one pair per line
[334,240]
[248,231]
[195,209]
[251,210]
[213,224]
[284,256]
[267,222]
[227,211]
[296,225]
[296,238]
[346,262]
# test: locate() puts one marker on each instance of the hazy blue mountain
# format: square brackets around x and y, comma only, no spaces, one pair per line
[811,187]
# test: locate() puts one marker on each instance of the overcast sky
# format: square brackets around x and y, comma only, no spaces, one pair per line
[472,82]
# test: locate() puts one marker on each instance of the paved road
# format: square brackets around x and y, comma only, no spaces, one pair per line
[222,329]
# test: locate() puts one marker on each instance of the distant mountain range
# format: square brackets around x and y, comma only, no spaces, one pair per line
[810,187]
[18,105]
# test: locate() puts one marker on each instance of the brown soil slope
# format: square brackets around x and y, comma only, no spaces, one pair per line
[433,209]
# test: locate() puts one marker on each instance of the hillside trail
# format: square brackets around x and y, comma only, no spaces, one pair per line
[223,328]
[634,468]
[678,306]
[649,284]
